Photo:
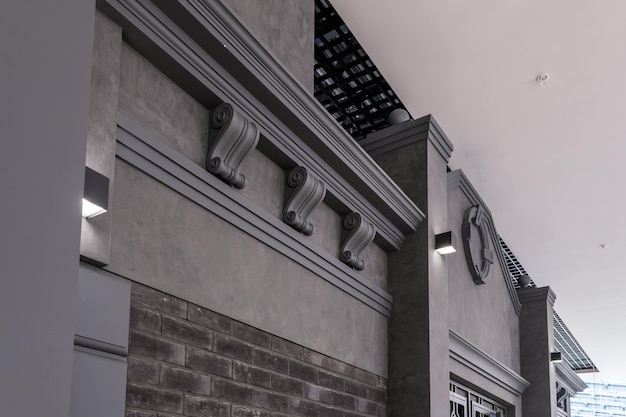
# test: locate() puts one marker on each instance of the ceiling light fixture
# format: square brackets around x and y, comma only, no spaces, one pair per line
[542,78]
[444,243]
[96,193]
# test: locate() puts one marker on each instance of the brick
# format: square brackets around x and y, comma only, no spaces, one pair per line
[156,348]
[376,395]
[382,383]
[315,393]
[186,332]
[330,381]
[142,370]
[330,412]
[287,385]
[136,413]
[286,347]
[276,414]
[233,348]
[204,407]
[270,361]
[184,380]
[232,392]
[242,411]
[381,410]
[209,363]
[209,319]
[271,401]
[365,406]
[316,358]
[343,401]
[251,375]
[355,388]
[365,377]
[343,368]
[302,371]
[252,335]
[152,398]
[303,408]
[158,300]
[146,320]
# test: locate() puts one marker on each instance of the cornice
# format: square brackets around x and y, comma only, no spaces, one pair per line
[204,44]
[530,294]
[457,179]
[464,352]
[569,379]
[404,134]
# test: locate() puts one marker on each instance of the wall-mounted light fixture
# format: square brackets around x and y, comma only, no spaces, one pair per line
[556,357]
[444,243]
[96,194]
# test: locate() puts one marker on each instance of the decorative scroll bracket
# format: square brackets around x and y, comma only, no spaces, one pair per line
[357,233]
[478,255]
[231,138]
[303,192]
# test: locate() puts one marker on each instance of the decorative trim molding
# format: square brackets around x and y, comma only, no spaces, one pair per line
[303,192]
[357,233]
[404,134]
[464,352]
[154,157]
[457,179]
[204,48]
[476,244]
[530,294]
[231,138]
[569,379]
[100,346]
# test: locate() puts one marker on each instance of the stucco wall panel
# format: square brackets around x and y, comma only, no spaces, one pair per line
[165,241]
[483,314]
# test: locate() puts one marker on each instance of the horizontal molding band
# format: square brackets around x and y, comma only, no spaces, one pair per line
[473,358]
[100,346]
[157,159]
[351,176]
[458,179]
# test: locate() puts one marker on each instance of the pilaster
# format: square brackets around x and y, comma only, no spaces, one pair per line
[536,344]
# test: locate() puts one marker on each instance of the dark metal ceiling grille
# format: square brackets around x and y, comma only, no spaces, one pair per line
[564,340]
[347,83]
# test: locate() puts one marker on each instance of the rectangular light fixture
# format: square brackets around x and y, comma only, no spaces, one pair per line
[96,193]
[556,357]
[444,243]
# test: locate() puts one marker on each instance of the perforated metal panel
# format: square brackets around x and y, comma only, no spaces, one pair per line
[347,83]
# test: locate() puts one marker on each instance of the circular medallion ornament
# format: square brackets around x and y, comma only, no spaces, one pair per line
[478,255]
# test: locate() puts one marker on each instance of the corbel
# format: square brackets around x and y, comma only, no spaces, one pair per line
[357,233]
[231,137]
[303,192]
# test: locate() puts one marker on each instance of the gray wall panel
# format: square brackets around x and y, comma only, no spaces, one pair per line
[165,241]
[44,88]
[483,314]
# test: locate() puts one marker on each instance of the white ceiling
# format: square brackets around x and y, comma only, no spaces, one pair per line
[549,160]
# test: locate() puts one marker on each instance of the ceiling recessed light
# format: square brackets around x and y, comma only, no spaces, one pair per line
[603,246]
[542,78]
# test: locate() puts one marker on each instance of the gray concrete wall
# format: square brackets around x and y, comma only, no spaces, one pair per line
[286,28]
[165,241]
[482,314]
[44,89]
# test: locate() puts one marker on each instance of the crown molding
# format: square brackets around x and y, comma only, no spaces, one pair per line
[569,379]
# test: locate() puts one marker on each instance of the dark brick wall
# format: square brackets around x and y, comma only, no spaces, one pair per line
[185,360]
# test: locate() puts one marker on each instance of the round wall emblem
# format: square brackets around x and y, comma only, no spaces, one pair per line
[478,255]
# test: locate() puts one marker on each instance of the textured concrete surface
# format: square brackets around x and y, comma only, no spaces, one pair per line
[286,28]
[265,182]
[150,98]
[482,314]
[327,232]
[165,241]
[418,383]
[95,239]
[46,65]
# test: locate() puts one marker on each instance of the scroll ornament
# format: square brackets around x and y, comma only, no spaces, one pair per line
[358,233]
[231,137]
[478,254]
[303,192]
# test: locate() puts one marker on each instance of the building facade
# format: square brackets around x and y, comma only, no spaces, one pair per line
[254,259]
